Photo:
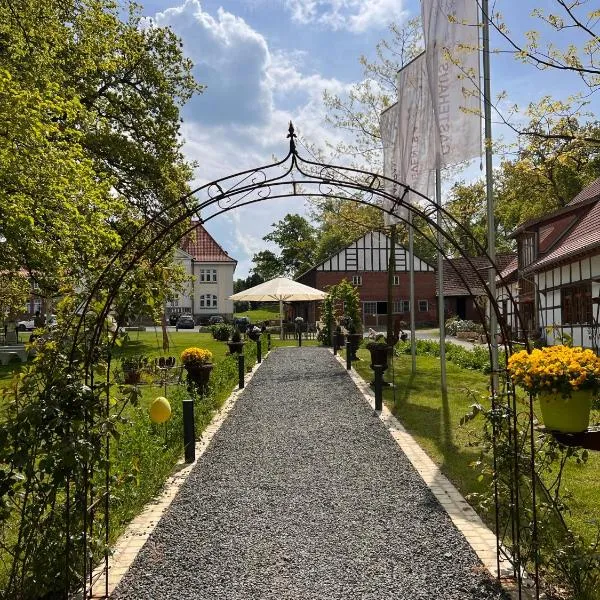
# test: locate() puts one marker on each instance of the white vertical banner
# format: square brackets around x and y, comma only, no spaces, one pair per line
[388,127]
[406,131]
[451,48]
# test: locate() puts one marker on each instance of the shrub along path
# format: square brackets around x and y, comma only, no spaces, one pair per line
[304,495]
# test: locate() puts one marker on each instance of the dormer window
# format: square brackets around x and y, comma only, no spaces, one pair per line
[527,249]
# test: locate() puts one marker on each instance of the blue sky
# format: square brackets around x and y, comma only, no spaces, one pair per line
[268,61]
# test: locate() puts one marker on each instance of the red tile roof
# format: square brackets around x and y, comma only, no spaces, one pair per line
[591,191]
[583,237]
[201,246]
[469,269]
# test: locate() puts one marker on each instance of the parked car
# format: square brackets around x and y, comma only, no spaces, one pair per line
[216,319]
[26,325]
[185,322]
[242,323]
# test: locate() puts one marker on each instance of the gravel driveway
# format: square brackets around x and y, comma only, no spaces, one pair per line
[303,494]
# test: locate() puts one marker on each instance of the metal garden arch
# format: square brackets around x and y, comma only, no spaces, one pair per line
[293,176]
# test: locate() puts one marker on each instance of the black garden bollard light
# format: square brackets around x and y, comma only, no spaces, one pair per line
[348,357]
[378,387]
[258,351]
[299,326]
[189,435]
[335,347]
[268,342]
[241,370]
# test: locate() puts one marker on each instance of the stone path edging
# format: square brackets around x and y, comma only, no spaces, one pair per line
[466,520]
[139,530]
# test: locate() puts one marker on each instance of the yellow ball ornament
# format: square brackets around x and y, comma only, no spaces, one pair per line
[160,410]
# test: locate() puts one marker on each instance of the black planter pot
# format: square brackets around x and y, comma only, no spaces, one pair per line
[339,339]
[132,377]
[354,339]
[380,355]
[236,347]
[199,377]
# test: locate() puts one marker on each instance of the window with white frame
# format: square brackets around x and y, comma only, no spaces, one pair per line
[356,279]
[208,301]
[396,279]
[208,275]
[423,306]
[37,305]
[370,308]
[401,306]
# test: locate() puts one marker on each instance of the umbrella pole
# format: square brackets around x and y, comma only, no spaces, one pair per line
[280,319]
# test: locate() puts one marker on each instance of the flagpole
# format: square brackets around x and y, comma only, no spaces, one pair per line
[411,278]
[440,266]
[489,185]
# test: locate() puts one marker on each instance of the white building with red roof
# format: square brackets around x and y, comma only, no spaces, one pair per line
[556,276]
[212,271]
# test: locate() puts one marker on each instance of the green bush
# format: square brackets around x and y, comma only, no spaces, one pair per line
[453,325]
[221,331]
[477,359]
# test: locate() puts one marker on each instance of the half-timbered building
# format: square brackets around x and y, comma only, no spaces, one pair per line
[365,263]
[556,276]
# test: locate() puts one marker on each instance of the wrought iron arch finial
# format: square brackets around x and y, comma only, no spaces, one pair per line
[292,135]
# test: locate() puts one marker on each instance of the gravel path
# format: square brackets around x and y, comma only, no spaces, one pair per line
[304,495]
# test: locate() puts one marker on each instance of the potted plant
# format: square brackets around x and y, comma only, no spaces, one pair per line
[133,367]
[354,336]
[564,379]
[236,345]
[380,351]
[198,364]
[253,332]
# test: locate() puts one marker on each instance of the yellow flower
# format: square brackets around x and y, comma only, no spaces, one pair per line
[559,367]
[196,356]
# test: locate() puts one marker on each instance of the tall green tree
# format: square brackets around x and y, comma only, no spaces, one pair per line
[297,239]
[89,142]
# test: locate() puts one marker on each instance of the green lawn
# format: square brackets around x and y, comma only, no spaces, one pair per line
[269,312]
[434,422]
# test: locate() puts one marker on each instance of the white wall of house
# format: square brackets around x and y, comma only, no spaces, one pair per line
[183,303]
[213,284]
[208,291]
[580,277]
[553,285]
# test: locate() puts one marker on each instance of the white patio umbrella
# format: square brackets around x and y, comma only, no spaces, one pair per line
[280,288]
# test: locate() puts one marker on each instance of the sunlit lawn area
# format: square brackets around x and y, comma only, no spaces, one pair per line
[268,312]
[435,423]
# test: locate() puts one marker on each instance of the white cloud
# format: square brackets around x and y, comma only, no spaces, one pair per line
[241,120]
[354,15]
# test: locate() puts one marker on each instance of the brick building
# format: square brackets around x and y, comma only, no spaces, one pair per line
[364,263]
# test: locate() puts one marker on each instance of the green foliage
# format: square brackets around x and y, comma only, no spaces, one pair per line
[297,239]
[477,359]
[453,325]
[267,265]
[221,331]
[327,320]
[14,292]
[566,559]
